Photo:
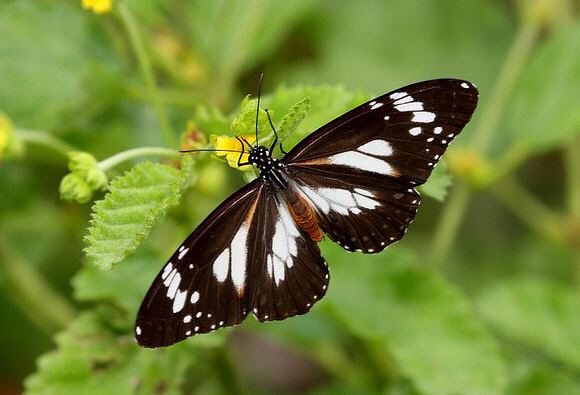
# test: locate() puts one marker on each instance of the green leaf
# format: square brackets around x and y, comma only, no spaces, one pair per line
[43,63]
[123,287]
[245,121]
[293,118]
[135,202]
[542,380]
[438,183]
[424,322]
[90,359]
[543,113]
[326,103]
[536,312]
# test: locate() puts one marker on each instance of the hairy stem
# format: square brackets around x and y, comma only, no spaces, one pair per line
[145,64]
[124,156]
[45,139]
[32,293]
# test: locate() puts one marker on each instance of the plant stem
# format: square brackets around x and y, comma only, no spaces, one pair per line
[124,156]
[572,156]
[491,114]
[244,28]
[449,225]
[32,293]
[528,209]
[45,139]
[145,64]
[509,73]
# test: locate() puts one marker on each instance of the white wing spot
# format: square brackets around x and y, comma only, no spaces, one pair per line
[191,265]
[398,95]
[443,141]
[386,117]
[182,253]
[376,105]
[413,106]
[364,192]
[174,284]
[239,256]
[166,270]
[213,326]
[221,266]
[194,297]
[465,85]
[430,139]
[188,333]
[179,301]
[438,130]
[138,331]
[358,160]
[377,147]
[423,116]
[372,103]
[187,319]
[415,131]
[196,328]
[198,315]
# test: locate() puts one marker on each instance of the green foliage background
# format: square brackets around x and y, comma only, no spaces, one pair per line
[481,297]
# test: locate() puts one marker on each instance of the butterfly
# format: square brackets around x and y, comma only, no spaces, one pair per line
[353,180]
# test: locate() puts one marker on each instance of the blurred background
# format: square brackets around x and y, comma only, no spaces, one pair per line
[481,297]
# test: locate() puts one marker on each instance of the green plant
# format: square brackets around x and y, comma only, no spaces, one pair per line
[493,311]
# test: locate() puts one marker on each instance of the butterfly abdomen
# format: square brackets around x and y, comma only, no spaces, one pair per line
[304,216]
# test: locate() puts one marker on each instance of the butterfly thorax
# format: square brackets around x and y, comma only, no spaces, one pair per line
[271,169]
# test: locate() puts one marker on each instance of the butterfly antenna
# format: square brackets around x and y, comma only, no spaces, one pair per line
[258,106]
[185,151]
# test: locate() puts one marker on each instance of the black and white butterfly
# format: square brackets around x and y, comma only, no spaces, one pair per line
[352,180]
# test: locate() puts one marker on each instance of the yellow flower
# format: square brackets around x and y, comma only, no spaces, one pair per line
[231,143]
[98,6]
[10,145]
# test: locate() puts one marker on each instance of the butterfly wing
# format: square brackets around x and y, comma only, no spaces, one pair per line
[291,274]
[360,170]
[206,284]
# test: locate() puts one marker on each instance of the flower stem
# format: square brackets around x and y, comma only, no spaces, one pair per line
[145,64]
[124,156]
[45,139]
[32,293]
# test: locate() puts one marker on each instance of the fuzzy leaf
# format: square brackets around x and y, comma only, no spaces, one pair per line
[91,359]
[424,322]
[135,202]
[438,184]
[539,313]
[293,118]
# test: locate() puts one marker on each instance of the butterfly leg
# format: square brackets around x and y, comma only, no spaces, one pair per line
[276,140]
[240,163]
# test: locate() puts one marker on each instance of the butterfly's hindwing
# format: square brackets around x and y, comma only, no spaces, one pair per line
[292,275]
[206,283]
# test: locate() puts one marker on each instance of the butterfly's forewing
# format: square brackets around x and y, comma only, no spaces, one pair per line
[360,170]
[206,284]
[291,275]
